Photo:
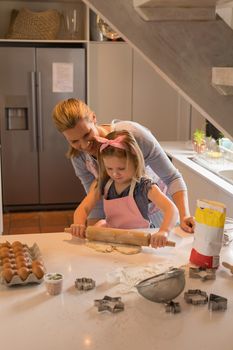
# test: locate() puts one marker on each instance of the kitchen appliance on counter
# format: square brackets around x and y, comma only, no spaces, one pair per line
[35,171]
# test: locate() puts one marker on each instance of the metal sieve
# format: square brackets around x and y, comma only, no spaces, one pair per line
[163,287]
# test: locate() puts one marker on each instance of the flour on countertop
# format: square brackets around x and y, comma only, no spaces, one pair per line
[129,276]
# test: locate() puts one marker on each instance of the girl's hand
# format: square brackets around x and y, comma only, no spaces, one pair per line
[159,239]
[188,224]
[78,230]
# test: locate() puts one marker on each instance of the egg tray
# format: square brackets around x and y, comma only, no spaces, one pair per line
[16,280]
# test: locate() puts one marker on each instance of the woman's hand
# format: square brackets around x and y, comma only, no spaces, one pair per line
[159,239]
[188,224]
[78,230]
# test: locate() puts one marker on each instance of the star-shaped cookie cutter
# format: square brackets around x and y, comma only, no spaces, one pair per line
[196,297]
[203,273]
[84,283]
[112,304]
[217,302]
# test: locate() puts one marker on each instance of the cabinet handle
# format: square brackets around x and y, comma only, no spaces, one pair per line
[39,110]
[33,89]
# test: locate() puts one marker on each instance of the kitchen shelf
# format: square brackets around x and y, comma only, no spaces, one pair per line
[87,28]
[6,8]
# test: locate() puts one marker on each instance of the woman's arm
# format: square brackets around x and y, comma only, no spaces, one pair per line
[170,218]
[158,161]
[81,213]
[187,222]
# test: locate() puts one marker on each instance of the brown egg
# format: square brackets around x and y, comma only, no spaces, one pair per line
[20,248]
[8,259]
[20,258]
[5,252]
[3,249]
[38,271]
[23,273]
[19,254]
[7,265]
[20,264]
[37,263]
[11,266]
[17,249]
[16,243]
[5,244]
[7,274]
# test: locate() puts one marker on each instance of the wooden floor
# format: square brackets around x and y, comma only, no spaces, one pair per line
[36,222]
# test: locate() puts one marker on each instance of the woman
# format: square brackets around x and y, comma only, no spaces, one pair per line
[78,123]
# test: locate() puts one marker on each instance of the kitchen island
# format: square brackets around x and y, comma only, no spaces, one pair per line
[32,319]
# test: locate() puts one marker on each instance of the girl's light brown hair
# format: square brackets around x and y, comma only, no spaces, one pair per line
[66,115]
[131,152]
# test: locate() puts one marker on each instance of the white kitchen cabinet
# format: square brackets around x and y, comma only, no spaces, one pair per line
[123,85]
[110,80]
[156,104]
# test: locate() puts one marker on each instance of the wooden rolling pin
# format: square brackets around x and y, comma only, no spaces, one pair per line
[120,236]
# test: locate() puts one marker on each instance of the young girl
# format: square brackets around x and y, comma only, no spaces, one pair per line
[126,190]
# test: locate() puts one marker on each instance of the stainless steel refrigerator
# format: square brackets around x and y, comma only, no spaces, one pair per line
[35,170]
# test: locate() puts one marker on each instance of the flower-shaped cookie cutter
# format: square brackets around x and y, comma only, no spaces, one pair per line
[112,304]
[172,307]
[84,283]
[217,302]
[203,273]
[196,297]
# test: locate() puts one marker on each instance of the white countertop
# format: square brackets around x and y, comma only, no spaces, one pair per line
[31,319]
[182,151]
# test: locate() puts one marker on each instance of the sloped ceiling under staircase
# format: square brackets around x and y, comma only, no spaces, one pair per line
[182,52]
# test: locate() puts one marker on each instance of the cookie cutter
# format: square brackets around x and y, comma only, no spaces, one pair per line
[203,273]
[217,302]
[84,283]
[196,297]
[226,240]
[172,307]
[112,304]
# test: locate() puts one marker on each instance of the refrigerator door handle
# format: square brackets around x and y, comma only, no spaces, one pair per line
[33,86]
[39,110]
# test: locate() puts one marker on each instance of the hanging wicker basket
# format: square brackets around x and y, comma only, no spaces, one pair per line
[29,25]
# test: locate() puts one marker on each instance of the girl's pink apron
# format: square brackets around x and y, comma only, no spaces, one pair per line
[123,212]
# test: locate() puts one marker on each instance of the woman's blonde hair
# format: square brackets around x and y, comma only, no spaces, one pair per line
[131,152]
[66,115]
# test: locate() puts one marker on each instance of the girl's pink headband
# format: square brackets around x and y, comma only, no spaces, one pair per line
[118,142]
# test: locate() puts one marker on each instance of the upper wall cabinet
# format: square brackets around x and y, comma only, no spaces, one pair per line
[110,80]
[157,105]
